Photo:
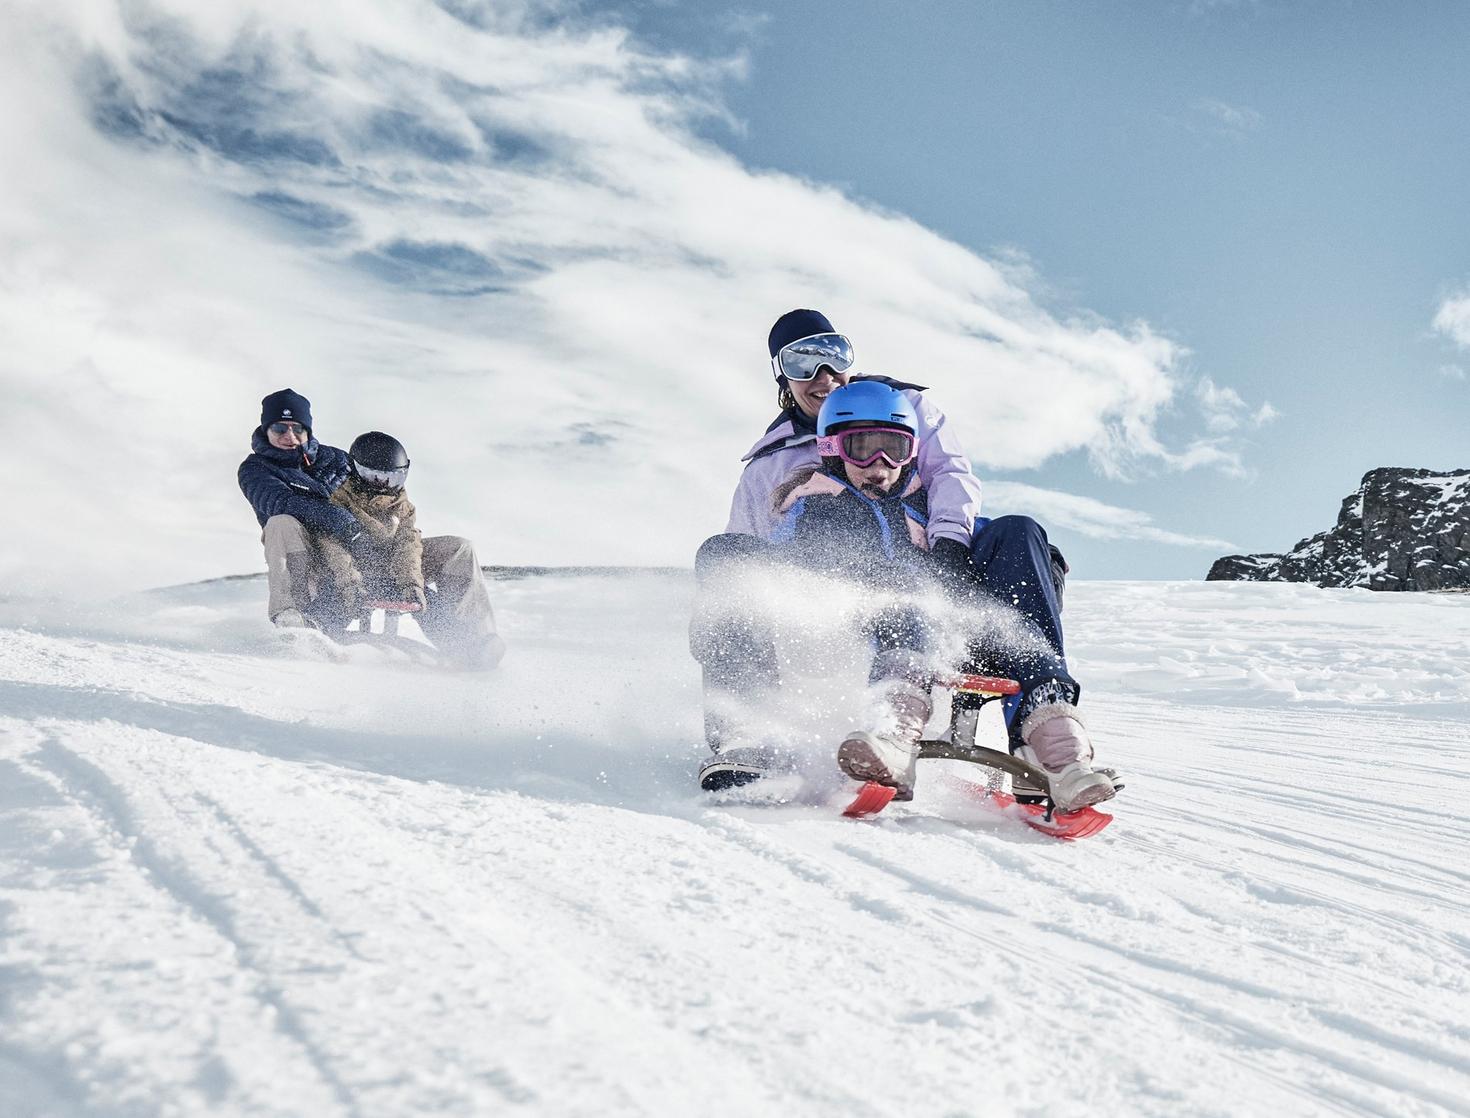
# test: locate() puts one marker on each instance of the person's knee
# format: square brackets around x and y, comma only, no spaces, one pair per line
[284,529]
[1016,525]
[907,664]
[453,553]
[728,547]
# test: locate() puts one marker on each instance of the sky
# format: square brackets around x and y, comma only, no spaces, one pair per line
[1178,273]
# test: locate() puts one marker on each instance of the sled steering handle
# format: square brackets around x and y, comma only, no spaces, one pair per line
[982,684]
[396,607]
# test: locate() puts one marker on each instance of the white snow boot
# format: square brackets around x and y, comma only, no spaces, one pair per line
[292,618]
[1057,743]
[890,756]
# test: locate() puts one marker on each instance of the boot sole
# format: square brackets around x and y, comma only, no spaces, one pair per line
[1089,796]
[719,778]
[856,758]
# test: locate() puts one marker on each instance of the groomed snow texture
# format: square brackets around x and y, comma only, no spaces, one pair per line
[237,880]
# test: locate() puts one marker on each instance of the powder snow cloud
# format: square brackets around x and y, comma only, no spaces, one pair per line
[492,229]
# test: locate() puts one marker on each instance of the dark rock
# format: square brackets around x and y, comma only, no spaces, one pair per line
[1245,568]
[1402,530]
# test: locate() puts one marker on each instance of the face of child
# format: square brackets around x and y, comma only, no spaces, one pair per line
[876,479]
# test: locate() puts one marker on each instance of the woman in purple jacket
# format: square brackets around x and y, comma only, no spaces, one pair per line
[1010,558]
[810,360]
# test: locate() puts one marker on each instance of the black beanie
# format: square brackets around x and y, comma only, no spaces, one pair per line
[794,325]
[287,404]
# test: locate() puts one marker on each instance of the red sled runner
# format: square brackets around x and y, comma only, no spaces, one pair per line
[1029,801]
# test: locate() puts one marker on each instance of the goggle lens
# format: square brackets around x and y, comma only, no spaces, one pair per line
[865,445]
[801,359]
[287,428]
[382,479]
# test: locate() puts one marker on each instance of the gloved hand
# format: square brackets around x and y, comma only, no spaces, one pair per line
[951,562]
[345,526]
[1059,570]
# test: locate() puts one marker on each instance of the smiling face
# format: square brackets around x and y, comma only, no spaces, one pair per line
[286,436]
[810,394]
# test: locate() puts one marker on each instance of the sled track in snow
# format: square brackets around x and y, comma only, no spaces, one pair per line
[234,882]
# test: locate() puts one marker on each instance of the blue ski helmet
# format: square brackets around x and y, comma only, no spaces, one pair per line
[867,401]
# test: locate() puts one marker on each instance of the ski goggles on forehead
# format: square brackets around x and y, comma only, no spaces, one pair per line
[382,479]
[801,359]
[862,446]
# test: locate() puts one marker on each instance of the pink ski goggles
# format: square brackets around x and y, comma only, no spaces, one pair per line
[862,446]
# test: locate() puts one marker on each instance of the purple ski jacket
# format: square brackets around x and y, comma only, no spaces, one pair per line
[944,470]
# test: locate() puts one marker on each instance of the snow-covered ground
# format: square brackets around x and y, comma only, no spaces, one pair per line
[234,881]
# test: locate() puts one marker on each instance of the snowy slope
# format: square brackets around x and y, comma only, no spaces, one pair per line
[237,882]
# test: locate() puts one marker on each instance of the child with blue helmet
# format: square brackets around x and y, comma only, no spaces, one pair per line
[862,512]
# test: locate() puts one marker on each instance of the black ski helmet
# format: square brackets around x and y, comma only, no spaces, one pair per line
[378,461]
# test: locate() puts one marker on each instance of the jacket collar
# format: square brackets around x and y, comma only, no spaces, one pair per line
[779,435]
[823,482]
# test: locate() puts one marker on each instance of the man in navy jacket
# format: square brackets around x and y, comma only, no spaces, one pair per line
[288,480]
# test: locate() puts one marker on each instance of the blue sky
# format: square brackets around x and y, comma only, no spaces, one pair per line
[1279,186]
[1179,273]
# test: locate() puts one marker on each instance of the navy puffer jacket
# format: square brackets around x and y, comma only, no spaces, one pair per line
[829,525]
[297,483]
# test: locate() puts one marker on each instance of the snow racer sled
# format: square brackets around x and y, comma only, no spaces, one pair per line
[1027,797]
[376,626]
[386,634]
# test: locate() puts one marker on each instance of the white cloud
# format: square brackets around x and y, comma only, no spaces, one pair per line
[485,228]
[1090,517]
[1453,319]
[1236,120]
[1225,411]
[1452,372]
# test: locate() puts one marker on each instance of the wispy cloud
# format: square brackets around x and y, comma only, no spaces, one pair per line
[1090,517]
[1453,318]
[1452,372]
[1224,409]
[490,228]
[1236,120]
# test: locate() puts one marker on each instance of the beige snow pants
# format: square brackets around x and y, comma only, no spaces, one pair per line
[459,619]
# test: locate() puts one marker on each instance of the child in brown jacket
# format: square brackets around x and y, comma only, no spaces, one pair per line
[385,563]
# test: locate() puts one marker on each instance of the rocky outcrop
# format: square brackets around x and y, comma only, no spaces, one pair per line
[1401,530]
